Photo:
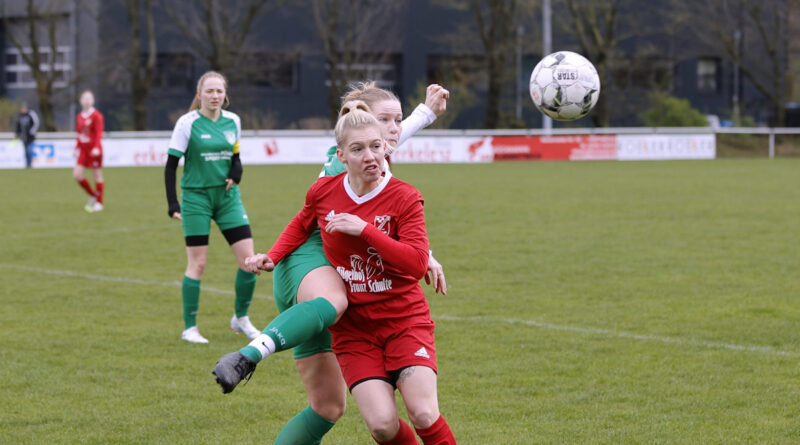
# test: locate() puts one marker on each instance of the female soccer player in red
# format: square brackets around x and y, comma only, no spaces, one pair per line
[373,233]
[305,275]
[89,125]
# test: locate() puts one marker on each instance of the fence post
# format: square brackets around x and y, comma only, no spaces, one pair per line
[772,143]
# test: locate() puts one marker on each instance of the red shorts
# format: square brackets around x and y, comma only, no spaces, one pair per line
[86,159]
[379,351]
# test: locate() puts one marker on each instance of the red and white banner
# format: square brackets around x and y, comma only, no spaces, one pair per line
[152,151]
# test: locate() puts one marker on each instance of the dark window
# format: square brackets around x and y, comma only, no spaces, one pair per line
[275,71]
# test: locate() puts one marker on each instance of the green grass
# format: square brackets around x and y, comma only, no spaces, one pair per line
[588,303]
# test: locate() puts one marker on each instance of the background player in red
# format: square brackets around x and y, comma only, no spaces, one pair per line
[89,125]
[373,233]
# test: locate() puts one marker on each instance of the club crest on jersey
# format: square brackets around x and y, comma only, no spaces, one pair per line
[230,136]
[383,223]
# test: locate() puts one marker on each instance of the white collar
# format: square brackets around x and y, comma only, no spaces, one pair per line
[86,114]
[362,199]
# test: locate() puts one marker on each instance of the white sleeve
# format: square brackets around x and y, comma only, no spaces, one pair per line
[180,135]
[35,126]
[421,117]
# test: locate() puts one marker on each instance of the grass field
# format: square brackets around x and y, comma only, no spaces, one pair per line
[588,303]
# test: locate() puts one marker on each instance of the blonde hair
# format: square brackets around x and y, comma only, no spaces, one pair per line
[369,93]
[201,81]
[353,114]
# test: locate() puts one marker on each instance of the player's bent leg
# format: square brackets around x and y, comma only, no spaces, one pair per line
[324,282]
[375,400]
[417,385]
[327,396]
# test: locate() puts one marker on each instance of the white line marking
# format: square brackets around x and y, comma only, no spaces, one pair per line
[86,276]
[583,330]
[621,334]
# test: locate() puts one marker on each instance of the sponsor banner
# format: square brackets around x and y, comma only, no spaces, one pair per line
[555,148]
[429,149]
[656,147]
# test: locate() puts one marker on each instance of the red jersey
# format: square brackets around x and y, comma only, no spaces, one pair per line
[90,128]
[381,267]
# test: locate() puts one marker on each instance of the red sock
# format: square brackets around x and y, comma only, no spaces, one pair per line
[437,434]
[85,184]
[99,186]
[404,436]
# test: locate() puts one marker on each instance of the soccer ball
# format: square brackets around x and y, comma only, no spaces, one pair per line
[565,86]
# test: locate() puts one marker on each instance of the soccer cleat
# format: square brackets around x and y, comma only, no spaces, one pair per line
[192,335]
[97,207]
[231,369]
[89,207]
[244,326]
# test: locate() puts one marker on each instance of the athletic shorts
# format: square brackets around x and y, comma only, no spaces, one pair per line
[86,159]
[286,278]
[380,350]
[200,205]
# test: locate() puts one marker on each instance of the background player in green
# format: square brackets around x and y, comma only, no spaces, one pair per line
[207,137]
[311,296]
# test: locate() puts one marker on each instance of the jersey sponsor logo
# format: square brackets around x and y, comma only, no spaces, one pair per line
[217,156]
[230,136]
[383,223]
[361,273]
[205,136]
[330,215]
[421,352]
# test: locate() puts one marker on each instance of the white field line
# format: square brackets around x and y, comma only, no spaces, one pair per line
[621,334]
[476,319]
[111,279]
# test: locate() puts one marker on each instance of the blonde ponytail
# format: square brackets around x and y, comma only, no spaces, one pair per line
[353,114]
[369,93]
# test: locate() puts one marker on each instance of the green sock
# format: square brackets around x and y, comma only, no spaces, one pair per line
[245,286]
[191,301]
[293,327]
[306,427]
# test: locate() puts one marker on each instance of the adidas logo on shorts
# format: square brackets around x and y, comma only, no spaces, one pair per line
[422,353]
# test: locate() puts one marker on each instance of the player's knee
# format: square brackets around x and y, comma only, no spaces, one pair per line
[330,409]
[76,175]
[196,267]
[422,416]
[383,428]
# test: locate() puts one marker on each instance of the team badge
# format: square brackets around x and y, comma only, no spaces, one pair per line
[230,136]
[383,223]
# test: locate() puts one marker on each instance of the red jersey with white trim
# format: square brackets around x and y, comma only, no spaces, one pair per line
[381,267]
[90,128]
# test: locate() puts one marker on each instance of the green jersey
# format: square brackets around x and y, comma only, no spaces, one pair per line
[208,147]
[332,166]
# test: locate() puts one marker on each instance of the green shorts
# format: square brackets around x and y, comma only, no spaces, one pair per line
[200,205]
[286,278]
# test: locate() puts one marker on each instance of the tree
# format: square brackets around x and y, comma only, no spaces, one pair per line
[217,30]
[669,111]
[141,74]
[41,63]
[594,24]
[349,32]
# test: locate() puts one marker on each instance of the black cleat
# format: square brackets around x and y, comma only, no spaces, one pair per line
[231,369]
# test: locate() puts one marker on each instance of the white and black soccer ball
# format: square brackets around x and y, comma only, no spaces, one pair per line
[565,86]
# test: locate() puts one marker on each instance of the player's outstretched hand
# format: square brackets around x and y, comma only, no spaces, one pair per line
[346,223]
[435,276]
[436,98]
[258,262]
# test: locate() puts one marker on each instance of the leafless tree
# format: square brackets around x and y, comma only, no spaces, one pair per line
[350,32]
[595,25]
[41,22]
[216,29]
[141,74]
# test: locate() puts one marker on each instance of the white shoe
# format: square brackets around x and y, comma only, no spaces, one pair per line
[97,207]
[244,326]
[89,207]
[192,335]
